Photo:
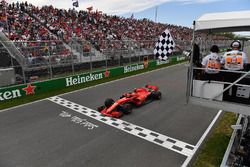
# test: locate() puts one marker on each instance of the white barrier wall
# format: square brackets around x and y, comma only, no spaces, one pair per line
[7,77]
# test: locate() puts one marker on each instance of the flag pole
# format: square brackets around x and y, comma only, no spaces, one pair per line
[156,12]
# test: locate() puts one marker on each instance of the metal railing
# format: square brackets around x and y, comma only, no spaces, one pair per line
[49,59]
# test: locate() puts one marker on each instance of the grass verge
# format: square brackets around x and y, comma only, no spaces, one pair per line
[212,151]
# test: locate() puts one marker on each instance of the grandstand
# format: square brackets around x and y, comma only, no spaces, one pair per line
[46,40]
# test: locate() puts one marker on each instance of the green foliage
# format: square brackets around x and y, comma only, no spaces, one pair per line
[232,36]
[212,152]
[229,35]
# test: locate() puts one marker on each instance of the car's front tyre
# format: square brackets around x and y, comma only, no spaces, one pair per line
[156,95]
[127,108]
[109,102]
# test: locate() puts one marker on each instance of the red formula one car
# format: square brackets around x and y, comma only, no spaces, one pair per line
[124,105]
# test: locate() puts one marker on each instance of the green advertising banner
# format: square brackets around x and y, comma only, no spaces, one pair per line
[60,83]
[178,58]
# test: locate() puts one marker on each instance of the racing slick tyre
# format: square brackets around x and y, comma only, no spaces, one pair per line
[122,96]
[109,102]
[156,95]
[127,108]
[100,108]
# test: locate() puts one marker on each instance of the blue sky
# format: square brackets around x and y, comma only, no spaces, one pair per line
[178,12]
[181,13]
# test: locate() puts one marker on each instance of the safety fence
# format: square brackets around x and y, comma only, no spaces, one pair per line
[237,153]
[38,87]
[44,60]
[51,59]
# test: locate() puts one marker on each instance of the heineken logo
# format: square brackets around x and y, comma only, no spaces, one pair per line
[160,62]
[133,68]
[106,74]
[12,94]
[180,58]
[70,81]
[29,89]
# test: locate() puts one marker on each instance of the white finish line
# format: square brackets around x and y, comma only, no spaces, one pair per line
[146,134]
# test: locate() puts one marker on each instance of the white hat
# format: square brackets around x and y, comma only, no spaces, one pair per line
[236,44]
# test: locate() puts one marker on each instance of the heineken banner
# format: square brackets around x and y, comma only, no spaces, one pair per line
[34,88]
[60,83]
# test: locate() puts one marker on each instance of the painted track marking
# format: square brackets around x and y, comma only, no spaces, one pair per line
[143,133]
[105,83]
[189,158]
[195,148]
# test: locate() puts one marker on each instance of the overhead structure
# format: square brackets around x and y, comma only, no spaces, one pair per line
[223,22]
[212,93]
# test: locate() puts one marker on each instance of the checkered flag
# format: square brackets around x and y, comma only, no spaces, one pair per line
[164,46]
[75,3]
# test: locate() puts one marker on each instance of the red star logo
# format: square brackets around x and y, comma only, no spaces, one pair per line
[106,73]
[29,89]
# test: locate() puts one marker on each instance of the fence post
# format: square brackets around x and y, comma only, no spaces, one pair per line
[130,52]
[81,45]
[11,60]
[24,78]
[119,58]
[106,60]
[90,63]
[50,66]
[139,57]
[72,59]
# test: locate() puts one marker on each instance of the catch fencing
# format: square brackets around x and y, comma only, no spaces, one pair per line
[51,59]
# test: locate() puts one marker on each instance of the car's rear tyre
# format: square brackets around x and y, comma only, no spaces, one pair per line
[156,95]
[109,102]
[127,108]
[100,108]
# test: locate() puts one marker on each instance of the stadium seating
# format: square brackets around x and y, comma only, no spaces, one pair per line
[48,26]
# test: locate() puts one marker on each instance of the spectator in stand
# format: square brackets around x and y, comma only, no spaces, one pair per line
[27,22]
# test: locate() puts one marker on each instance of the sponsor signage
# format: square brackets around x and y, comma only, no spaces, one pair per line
[161,62]
[50,85]
[132,68]
[78,120]
[178,58]
[181,58]
[8,93]
[75,80]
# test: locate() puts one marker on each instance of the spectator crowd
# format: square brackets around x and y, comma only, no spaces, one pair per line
[23,22]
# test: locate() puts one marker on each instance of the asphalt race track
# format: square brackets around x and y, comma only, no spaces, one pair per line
[66,131]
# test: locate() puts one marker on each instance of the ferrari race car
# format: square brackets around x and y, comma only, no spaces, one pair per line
[126,102]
